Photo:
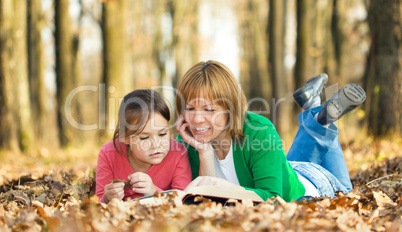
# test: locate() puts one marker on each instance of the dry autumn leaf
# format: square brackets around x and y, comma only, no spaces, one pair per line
[126,183]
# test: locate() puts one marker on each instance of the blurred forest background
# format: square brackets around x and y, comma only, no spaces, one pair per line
[66,64]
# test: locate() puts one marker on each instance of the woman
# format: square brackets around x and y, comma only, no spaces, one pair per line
[231,147]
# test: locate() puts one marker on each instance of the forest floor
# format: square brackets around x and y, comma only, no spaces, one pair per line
[54,191]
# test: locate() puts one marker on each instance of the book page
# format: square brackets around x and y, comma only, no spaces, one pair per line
[211,192]
[153,200]
[221,192]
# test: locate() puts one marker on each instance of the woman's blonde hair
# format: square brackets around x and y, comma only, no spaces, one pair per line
[219,85]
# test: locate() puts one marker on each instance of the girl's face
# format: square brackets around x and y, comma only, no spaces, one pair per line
[152,144]
[207,120]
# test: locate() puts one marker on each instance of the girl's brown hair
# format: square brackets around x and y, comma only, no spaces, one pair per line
[135,111]
[218,84]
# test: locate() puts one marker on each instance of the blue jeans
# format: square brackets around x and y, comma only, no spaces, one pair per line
[318,155]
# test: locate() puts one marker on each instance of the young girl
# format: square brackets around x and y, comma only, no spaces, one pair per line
[141,151]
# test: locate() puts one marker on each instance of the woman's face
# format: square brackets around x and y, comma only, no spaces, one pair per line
[207,120]
[152,144]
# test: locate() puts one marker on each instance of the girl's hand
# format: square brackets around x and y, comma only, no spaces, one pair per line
[113,190]
[213,181]
[182,129]
[142,183]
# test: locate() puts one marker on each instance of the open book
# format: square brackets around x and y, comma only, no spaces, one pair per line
[215,193]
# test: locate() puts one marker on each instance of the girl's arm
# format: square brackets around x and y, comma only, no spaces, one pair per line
[104,173]
[182,173]
[142,183]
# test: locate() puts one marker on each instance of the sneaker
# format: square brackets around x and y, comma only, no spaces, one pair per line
[344,101]
[309,95]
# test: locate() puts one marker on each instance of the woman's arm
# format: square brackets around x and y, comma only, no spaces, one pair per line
[266,168]
[205,150]
[207,163]
[270,174]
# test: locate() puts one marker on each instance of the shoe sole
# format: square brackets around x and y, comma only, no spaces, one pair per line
[344,101]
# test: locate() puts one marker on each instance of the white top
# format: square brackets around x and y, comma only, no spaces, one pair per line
[225,168]
[311,190]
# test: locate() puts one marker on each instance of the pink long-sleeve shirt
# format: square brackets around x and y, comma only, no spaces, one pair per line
[173,172]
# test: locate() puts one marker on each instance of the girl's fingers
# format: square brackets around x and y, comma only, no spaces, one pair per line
[114,186]
[141,184]
[141,190]
[116,191]
[148,189]
[109,186]
[139,177]
[121,196]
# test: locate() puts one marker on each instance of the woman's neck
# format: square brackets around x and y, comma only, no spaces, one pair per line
[222,147]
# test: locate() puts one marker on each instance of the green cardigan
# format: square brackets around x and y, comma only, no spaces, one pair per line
[260,161]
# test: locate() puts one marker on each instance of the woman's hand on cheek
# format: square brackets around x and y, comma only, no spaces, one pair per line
[142,183]
[182,129]
[213,181]
[113,190]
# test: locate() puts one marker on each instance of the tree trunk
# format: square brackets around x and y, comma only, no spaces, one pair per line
[159,51]
[336,36]
[260,46]
[21,76]
[9,126]
[65,80]
[276,30]
[185,21]
[244,31]
[384,76]
[305,22]
[254,66]
[79,100]
[14,72]
[116,75]
[330,21]
[322,48]
[337,29]
[36,71]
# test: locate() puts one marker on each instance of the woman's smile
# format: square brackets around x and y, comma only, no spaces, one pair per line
[201,130]
[207,120]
